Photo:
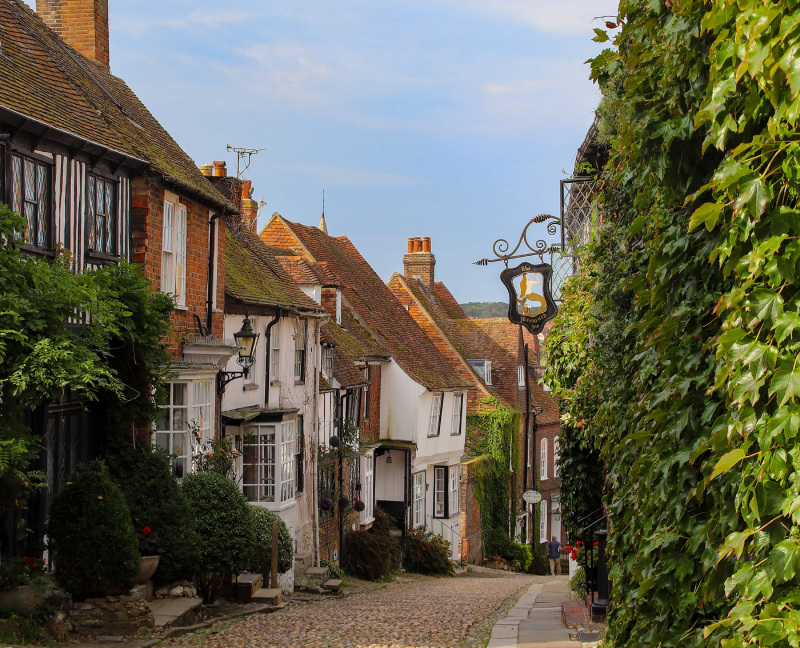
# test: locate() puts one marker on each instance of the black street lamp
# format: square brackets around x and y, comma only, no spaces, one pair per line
[246,341]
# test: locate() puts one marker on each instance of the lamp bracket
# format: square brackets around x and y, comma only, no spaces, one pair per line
[224,377]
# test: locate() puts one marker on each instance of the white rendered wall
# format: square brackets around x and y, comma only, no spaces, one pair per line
[400,403]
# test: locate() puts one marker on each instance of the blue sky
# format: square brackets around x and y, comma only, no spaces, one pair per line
[453,119]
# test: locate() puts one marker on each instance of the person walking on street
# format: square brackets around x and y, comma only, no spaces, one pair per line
[554,547]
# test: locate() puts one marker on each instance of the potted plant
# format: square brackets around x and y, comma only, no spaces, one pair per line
[150,549]
[22,584]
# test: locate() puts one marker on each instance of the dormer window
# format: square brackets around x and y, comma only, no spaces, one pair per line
[520,376]
[484,369]
[327,366]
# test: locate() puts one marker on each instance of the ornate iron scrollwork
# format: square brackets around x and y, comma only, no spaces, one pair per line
[540,247]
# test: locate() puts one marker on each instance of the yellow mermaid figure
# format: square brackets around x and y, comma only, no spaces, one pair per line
[526,295]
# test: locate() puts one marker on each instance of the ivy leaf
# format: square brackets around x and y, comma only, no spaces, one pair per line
[754,195]
[786,384]
[601,36]
[784,325]
[707,213]
[790,64]
[728,461]
[734,544]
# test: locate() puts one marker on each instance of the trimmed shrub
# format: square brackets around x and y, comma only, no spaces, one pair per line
[221,516]
[427,553]
[155,499]
[372,554]
[91,536]
[578,583]
[262,556]
[519,555]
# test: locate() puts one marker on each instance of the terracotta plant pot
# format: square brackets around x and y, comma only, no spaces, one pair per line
[147,567]
[20,600]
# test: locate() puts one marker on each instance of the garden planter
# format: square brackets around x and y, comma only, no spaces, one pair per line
[147,567]
[20,600]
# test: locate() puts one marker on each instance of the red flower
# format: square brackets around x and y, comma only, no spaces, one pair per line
[596,543]
[29,560]
[579,543]
[147,530]
[568,548]
[574,555]
[35,566]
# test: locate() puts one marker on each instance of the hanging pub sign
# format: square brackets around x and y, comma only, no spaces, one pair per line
[529,300]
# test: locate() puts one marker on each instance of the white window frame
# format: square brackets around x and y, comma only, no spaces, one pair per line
[197,408]
[488,372]
[327,366]
[367,490]
[173,248]
[458,409]
[272,482]
[435,419]
[338,307]
[440,474]
[543,459]
[454,485]
[418,499]
[365,392]
[543,521]
[520,376]
[275,353]
[556,455]
[300,350]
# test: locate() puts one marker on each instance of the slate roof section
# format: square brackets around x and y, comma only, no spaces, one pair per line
[254,276]
[43,78]
[376,306]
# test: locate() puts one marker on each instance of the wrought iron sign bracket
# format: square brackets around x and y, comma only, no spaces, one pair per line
[539,248]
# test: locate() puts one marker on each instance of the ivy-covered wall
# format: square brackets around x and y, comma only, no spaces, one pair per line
[680,362]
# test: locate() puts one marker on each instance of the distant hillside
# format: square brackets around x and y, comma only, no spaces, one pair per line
[485,309]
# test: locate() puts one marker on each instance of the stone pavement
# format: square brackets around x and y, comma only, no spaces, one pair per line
[535,621]
[412,612]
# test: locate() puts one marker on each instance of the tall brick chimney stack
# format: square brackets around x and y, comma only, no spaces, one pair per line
[249,206]
[418,262]
[83,24]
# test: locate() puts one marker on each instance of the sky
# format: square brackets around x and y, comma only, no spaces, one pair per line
[453,119]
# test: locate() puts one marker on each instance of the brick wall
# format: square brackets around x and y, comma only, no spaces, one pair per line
[371,428]
[327,300]
[275,234]
[420,265]
[469,519]
[147,223]
[83,24]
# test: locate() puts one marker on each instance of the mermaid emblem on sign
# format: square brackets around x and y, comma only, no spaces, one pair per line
[529,301]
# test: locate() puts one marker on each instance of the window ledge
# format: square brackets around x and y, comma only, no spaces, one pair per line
[102,256]
[433,436]
[180,307]
[297,383]
[250,387]
[272,506]
[275,383]
[36,250]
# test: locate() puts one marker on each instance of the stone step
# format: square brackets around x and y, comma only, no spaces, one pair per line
[302,562]
[268,596]
[246,586]
[332,585]
[168,613]
[314,578]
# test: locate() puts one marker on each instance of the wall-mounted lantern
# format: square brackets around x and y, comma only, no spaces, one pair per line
[246,341]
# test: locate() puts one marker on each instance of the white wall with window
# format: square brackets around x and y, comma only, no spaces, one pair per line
[453,487]
[300,350]
[456,419]
[173,249]
[435,418]
[269,461]
[187,407]
[543,459]
[418,499]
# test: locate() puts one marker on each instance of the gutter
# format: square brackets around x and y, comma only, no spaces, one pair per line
[267,336]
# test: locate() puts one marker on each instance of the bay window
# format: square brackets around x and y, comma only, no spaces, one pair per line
[366,393]
[269,464]
[186,405]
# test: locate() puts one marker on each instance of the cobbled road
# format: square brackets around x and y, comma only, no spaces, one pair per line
[415,613]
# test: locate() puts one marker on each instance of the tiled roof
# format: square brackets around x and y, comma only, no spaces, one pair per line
[447,302]
[354,340]
[254,276]
[44,79]
[345,372]
[374,304]
[297,268]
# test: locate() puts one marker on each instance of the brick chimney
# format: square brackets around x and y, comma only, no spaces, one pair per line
[82,24]
[249,206]
[418,263]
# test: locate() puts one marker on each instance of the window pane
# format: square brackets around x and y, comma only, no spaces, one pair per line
[42,206]
[111,219]
[30,179]
[91,215]
[179,394]
[16,189]
[179,418]
[163,419]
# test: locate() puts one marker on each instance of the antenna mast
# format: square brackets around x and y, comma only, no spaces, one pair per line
[241,154]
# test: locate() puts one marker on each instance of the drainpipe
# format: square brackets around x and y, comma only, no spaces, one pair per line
[527,432]
[342,416]
[277,319]
[212,242]
[314,443]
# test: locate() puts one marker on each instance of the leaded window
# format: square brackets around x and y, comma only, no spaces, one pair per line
[30,198]
[418,499]
[101,216]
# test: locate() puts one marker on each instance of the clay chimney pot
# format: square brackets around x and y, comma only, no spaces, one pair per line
[207,169]
[220,169]
[410,244]
[426,243]
[246,188]
[417,244]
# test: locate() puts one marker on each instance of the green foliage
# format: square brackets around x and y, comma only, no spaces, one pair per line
[492,434]
[17,571]
[262,558]
[427,553]
[95,550]
[334,571]
[373,554]
[221,517]
[155,499]
[578,584]
[27,631]
[485,310]
[212,455]
[689,385]
[519,555]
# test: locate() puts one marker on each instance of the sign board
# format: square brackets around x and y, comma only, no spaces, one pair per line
[532,497]
[529,300]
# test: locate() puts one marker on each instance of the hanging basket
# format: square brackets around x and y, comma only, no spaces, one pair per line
[359,506]
[326,504]
[343,502]
[334,441]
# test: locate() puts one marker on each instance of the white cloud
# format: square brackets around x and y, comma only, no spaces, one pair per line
[334,176]
[555,16]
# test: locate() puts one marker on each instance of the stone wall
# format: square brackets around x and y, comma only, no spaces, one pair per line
[112,615]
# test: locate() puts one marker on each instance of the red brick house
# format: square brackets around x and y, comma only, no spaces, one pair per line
[96,174]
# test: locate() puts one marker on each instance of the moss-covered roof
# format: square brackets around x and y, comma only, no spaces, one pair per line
[254,276]
[43,78]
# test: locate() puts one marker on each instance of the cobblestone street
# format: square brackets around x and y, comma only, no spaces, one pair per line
[410,613]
